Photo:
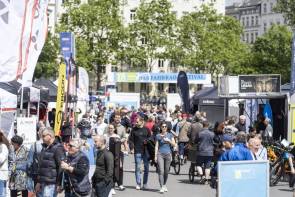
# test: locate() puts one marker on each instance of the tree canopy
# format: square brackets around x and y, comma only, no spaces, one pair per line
[287,7]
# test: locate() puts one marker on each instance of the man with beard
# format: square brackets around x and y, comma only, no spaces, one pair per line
[139,137]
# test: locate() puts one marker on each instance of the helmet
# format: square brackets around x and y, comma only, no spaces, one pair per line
[85,128]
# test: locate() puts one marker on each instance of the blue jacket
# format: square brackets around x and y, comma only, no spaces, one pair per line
[238,153]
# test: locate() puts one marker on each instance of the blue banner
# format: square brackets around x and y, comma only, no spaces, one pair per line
[292,87]
[67,45]
[267,112]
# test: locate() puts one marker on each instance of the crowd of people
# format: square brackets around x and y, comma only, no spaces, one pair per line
[88,160]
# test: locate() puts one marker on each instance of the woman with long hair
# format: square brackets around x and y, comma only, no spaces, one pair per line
[163,154]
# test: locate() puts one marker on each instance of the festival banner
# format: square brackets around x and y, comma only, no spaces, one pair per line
[259,83]
[60,99]
[15,23]
[36,42]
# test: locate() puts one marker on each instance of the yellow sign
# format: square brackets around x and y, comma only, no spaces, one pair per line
[60,98]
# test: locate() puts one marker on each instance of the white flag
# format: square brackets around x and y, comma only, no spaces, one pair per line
[82,90]
[36,42]
[15,16]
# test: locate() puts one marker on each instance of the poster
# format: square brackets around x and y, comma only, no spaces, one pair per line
[26,128]
[259,83]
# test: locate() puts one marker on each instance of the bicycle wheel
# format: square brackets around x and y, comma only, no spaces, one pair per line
[176,164]
[276,172]
[191,173]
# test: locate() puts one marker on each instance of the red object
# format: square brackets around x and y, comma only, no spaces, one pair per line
[150,125]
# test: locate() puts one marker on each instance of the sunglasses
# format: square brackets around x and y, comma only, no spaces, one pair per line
[164,126]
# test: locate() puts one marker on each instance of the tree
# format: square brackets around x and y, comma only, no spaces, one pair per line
[98,27]
[210,42]
[151,33]
[287,7]
[272,52]
[47,65]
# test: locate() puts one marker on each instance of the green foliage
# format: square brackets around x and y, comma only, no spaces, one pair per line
[210,42]
[98,29]
[47,64]
[151,33]
[287,7]
[271,53]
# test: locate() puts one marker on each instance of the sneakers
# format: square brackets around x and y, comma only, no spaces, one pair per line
[144,187]
[165,188]
[162,190]
[113,192]
[121,188]
[137,187]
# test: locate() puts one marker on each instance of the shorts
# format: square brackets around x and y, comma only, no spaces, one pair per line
[204,160]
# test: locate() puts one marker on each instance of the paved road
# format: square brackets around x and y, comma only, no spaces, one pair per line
[178,185]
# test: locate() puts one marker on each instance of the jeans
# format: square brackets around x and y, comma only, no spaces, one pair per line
[47,191]
[2,188]
[103,188]
[181,147]
[164,161]
[138,157]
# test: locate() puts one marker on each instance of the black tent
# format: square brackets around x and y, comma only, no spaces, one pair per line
[26,92]
[207,100]
[43,83]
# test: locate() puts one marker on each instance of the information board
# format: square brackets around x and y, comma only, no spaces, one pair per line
[243,179]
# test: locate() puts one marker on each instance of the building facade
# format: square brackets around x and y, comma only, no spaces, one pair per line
[256,17]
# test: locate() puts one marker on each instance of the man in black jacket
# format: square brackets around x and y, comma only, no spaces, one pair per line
[50,173]
[102,180]
[139,137]
[76,171]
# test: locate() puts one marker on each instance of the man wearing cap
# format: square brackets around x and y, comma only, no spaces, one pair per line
[76,170]
[241,125]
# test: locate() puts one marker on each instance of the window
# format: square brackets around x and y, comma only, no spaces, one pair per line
[160,87]
[247,21]
[271,23]
[252,38]
[264,27]
[143,41]
[131,87]
[243,21]
[160,63]
[247,37]
[256,35]
[114,68]
[271,7]
[265,8]
[143,87]
[278,22]
[172,64]
[132,14]
[257,20]
[252,21]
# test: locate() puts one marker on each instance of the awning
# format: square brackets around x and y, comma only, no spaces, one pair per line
[207,96]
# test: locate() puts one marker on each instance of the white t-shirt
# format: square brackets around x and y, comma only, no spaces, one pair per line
[100,129]
[3,162]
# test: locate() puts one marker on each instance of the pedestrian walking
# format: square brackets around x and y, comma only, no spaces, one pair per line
[139,137]
[163,155]
[102,180]
[4,145]
[204,141]
[18,157]
[50,172]
[183,128]
[76,169]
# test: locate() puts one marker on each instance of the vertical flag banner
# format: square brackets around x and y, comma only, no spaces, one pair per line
[37,40]
[60,98]
[23,25]
[292,88]
[183,89]
[83,84]
[267,112]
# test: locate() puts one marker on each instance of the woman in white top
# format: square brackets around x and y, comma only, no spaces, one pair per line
[110,132]
[4,144]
